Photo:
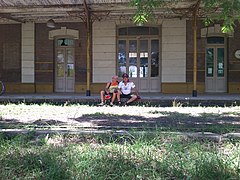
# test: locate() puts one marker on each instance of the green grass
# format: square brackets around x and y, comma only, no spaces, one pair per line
[117,157]
[150,155]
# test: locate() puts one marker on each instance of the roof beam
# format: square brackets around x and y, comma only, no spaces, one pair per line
[8,16]
[38,9]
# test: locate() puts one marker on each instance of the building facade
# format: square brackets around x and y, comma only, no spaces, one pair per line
[158,56]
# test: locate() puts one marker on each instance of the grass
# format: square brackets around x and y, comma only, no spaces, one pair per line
[117,157]
[219,120]
[155,155]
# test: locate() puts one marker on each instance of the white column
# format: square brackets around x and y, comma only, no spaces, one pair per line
[104,51]
[28,53]
[174,50]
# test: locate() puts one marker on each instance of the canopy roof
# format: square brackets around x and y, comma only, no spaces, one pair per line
[76,10]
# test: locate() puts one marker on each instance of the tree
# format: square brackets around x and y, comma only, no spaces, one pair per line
[228,11]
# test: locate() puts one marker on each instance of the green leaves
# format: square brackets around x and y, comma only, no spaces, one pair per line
[208,21]
[140,19]
[227,28]
[226,11]
[145,9]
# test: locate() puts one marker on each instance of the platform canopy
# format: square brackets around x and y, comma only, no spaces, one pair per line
[75,10]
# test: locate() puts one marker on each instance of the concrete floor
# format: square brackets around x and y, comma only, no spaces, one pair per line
[150,98]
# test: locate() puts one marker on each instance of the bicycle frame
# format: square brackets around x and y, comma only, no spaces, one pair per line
[2,88]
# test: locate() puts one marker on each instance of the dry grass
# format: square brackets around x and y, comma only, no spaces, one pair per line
[30,113]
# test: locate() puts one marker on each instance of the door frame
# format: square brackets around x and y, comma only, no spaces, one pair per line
[149,79]
[215,78]
[66,81]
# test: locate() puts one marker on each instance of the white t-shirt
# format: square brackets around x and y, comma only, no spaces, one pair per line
[126,89]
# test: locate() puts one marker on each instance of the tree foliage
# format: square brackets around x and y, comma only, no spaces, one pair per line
[227,11]
[145,9]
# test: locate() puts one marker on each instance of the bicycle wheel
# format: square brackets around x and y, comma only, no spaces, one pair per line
[2,88]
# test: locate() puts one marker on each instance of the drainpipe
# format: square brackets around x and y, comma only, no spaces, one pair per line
[194,92]
[88,93]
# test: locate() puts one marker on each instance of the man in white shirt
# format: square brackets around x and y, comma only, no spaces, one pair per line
[125,89]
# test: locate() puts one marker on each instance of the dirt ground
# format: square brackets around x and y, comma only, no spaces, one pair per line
[221,119]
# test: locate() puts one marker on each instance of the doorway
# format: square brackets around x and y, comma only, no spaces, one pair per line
[64,65]
[139,57]
[216,66]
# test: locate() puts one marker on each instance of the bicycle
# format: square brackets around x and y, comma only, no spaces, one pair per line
[2,88]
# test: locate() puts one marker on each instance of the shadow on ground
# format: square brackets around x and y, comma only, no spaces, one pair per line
[168,121]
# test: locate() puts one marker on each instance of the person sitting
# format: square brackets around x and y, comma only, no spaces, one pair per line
[125,89]
[110,91]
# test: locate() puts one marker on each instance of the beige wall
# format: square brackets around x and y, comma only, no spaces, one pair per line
[27,52]
[104,51]
[174,51]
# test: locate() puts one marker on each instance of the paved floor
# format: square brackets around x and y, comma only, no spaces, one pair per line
[147,98]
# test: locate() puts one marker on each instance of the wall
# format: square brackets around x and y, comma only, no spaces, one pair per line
[234,63]
[104,51]
[174,51]
[10,53]
[44,70]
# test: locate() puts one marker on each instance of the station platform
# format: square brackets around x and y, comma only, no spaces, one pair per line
[148,99]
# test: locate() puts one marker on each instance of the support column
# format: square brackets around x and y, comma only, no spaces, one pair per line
[28,53]
[195,11]
[88,93]
[88,16]
[194,93]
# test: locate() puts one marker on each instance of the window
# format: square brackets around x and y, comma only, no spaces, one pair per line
[138,52]
[134,31]
[210,62]
[215,40]
[65,42]
[154,58]
[121,57]
[220,62]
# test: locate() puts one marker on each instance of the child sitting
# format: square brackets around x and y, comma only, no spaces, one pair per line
[110,91]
